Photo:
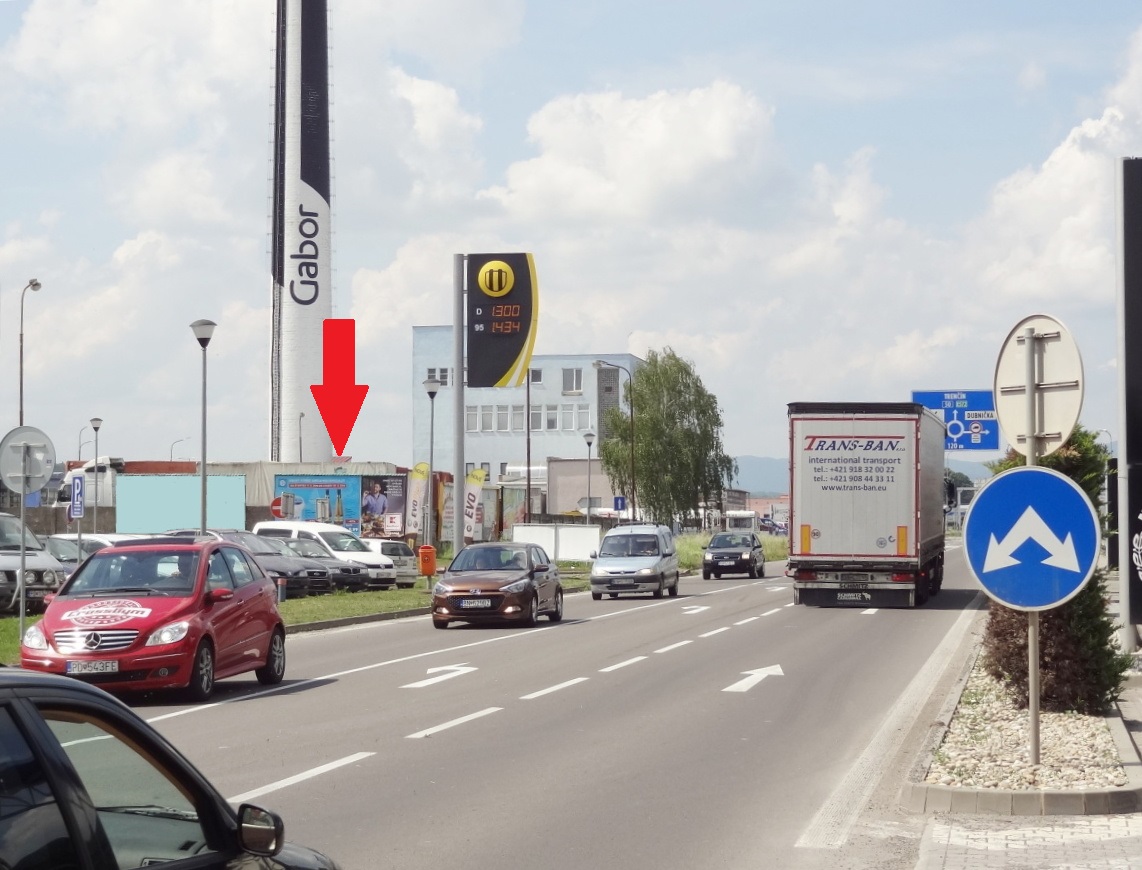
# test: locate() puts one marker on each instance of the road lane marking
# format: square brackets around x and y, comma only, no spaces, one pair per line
[673,646]
[301,777]
[548,691]
[870,610]
[451,671]
[771,612]
[695,608]
[747,619]
[754,677]
[636,659]
[715,631]
[438,728]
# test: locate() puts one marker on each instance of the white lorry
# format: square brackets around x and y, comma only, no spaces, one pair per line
[866,516]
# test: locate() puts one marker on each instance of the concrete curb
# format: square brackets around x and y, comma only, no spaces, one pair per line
[921,797]
[356,620]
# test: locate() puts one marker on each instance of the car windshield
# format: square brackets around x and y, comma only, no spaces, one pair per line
[729,541]
[65,550]
[305,548]
[156,571]
[395,548]
[629,545]
[12,530]
[276,546]
[253,543]
[489,559]
[343,542]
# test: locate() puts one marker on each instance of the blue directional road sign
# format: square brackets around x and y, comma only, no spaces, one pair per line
[969,417]
[620,502]
[1032,538]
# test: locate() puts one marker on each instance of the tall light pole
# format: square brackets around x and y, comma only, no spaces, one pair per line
[96,422]
[32,285]
[300,417]
[177,441]
[630,379]
[203,330]
[432,387]
[589,437]
[79,451]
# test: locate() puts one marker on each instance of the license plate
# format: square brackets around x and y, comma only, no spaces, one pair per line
[728,562]
[476,603]
[34,593]
[98,667]
[853,596]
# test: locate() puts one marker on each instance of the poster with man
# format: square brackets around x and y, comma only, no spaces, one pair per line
[383,505]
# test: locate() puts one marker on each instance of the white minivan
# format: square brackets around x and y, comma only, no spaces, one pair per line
[338,541]
[635,558]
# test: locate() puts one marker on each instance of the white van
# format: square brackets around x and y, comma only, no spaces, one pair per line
[337,541]
[635,558]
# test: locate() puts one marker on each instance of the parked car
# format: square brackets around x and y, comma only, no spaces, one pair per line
[502,582]
[74,765]
[176,615]
[346,576]
[338,541]
[640,557]
[93,542]
[66,552]
[733,553]
[404,559]
[43,573]
[297,576]
[320,574]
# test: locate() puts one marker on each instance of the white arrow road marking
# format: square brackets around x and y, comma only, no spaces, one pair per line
[453,671]
[693,608]
[301,777]
[1030,526]
[755,677]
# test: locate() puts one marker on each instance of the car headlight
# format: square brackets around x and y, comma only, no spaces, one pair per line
[59,577]
[172,633]
[518,586]
[709,557]
[745,554]
[642,572]
[34,637]
[441,589]
[29,578]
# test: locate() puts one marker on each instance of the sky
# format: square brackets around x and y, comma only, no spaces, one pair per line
[809,202]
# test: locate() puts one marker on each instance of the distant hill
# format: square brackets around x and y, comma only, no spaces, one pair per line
[763,475]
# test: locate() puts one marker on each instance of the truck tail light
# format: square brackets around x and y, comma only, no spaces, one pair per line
[802,574]
[903,578]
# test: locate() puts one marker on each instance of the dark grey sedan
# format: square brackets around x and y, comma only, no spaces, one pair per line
[734,553]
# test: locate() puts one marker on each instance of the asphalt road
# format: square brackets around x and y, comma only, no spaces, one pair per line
[723,728]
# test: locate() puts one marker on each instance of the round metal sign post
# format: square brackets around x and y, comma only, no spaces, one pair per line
[27,460]
[1038,396]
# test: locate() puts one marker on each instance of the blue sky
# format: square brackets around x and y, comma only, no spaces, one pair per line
[810,202]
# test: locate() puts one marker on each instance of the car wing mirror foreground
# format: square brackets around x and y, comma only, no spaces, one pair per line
[219,595]
[260,832]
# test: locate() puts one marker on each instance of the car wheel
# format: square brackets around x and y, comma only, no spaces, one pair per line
[752,572]
[674,588]
[761,569]
[557,614]
[596,596]
[532,612]
[705,575]
[201,685]
[658,592]
[440,623]
[273,670]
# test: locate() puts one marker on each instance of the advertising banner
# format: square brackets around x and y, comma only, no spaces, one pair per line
[318,498]
[473,487]
[503,313]
[417,493]
[383,505]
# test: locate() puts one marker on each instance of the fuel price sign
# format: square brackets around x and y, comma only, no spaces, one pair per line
[503,310]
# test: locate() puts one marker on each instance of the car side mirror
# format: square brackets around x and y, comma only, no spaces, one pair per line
[215,595]
[541,569]
[594,554]
[260,832]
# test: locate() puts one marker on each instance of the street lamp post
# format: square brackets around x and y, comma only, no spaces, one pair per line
[300,417]
[96,422]
[630,379]
[177,441]
[589,437]
[203,330]
[32,285]
[432,387]
[79,451]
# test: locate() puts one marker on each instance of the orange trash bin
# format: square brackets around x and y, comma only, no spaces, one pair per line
[427,555]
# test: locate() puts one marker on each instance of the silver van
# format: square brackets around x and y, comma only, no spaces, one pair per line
[635,558]
[42,571]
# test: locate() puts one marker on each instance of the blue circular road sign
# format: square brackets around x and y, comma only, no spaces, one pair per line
[1032,538]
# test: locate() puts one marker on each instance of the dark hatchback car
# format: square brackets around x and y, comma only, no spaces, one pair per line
[296,574]
[501,582]
[85,782]
[346,576]
[734,553]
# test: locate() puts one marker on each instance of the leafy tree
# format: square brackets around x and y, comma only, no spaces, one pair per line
[958,478]
[680,463]
[1080,667]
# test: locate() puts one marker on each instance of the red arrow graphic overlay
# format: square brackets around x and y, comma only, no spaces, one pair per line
[339,397]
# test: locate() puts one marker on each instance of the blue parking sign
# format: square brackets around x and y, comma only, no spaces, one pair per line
[78,488]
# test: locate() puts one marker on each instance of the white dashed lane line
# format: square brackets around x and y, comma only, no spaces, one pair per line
[673,646]
[635,660]
[551,689]
[438,728]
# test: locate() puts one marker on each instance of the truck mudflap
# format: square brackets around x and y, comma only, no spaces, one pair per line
[817,594]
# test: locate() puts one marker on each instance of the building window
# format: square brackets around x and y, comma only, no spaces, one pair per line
[485,418]
[487,469]
[536,418]
[439,375]
[471,419]
[502,418]
[503,469]
[567,415]
[517,418]
[584,422]
[536,376]
[552,417]
[469,467]
[572,380]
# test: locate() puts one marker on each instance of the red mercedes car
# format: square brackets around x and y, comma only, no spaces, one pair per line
[162,616]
